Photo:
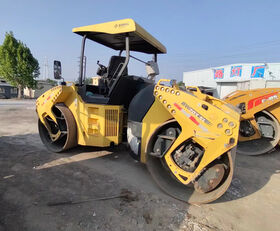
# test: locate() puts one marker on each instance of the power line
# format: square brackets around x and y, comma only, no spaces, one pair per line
[244,48]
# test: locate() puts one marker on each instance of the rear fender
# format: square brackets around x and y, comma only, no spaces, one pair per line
[275,111]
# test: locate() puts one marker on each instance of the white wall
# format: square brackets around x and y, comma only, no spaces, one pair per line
[205,77]
[257,83]
[272,83]
[28,92]
[200,78]
[224,88]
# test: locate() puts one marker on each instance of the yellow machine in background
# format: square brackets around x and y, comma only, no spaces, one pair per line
[260,116]
[187,139]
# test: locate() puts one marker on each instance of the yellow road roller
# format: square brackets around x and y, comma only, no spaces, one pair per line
[186,138]
[259,129]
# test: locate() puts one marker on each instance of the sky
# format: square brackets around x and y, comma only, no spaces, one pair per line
[197,33]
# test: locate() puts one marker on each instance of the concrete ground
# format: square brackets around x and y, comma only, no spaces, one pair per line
[31,177]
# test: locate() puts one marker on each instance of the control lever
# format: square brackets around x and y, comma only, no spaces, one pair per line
[101,69]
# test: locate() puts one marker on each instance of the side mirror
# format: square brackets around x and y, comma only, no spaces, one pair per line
[152,69]
[57,69]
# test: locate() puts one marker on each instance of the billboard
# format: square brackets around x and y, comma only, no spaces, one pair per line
[219,73]
[236,71]
[257,71]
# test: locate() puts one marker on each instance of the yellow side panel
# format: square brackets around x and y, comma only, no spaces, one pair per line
[97,125]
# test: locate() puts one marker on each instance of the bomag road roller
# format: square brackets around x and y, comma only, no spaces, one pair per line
[259,130]
[188,141]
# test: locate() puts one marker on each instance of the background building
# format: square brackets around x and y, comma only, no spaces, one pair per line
[228,78]
[7,91]
[43,86]
[95,80]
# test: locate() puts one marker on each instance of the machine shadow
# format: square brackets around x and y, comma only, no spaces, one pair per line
[103,176]
[251,174]
[29,190]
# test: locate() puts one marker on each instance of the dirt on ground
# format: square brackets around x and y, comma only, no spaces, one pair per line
[105,189]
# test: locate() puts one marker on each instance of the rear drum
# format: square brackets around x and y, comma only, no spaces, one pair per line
[65,126]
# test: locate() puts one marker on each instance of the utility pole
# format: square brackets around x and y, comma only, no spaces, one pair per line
[46,69]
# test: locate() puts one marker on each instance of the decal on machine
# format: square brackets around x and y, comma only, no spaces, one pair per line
[51,95]
[259,100]
[193,119]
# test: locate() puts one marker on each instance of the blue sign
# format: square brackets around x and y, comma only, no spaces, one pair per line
[257,71]
[236,71]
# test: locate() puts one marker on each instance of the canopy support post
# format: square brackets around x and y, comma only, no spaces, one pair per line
[124,65]
[82,60]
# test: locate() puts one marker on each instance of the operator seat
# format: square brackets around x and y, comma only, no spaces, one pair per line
[114,67]
[94,94]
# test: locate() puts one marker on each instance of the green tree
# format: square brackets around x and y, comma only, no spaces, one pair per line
[52,82]
[181,83]
[17,64]
[88,81]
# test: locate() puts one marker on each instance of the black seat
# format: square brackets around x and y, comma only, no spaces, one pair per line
[126,88]
[123,90]
[114,67]
[98,94]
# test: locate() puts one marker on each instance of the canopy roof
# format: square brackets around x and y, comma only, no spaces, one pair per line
[112,34]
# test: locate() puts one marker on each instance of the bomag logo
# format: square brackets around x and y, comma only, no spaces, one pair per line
[194,112]
[121,25]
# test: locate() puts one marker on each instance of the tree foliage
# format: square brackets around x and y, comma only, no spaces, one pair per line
[17,64]
[87,81]
[181,83]
[52,82]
